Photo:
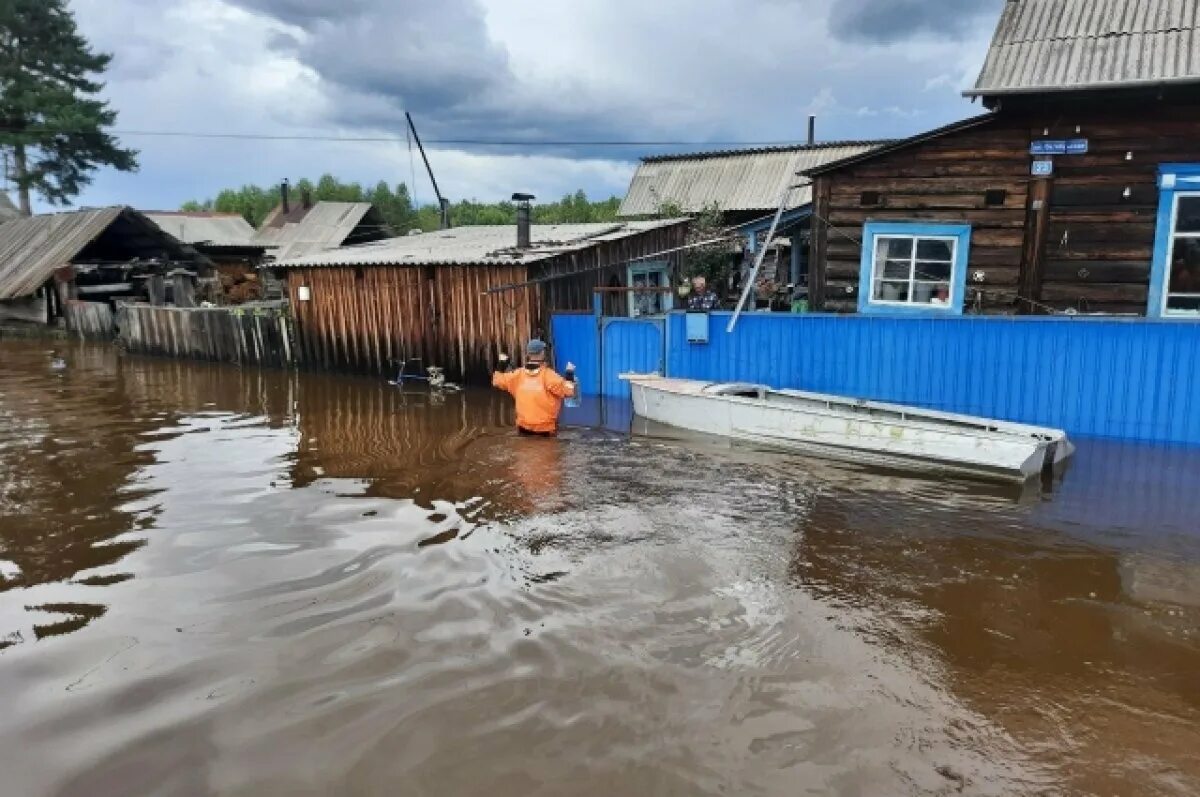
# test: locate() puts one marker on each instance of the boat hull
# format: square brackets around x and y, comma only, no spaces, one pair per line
[832,427]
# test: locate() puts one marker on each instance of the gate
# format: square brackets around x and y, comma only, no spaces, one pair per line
[636,345]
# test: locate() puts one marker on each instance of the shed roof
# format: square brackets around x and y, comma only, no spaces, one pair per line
[1060,45]
[217,230]
[33,247]
[326,225]
[471,246]
[733,180]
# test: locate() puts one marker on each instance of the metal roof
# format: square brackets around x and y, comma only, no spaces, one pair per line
[471,246]
[207,229]
[733,180]
[31,248]
[1059,45]
[326,225]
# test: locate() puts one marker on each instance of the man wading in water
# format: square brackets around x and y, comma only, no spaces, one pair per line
[538,391]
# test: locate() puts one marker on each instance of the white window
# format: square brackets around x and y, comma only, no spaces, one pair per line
[1181,293]
[913,270]
[649,275]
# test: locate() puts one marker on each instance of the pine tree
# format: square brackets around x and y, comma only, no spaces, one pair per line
[50,117]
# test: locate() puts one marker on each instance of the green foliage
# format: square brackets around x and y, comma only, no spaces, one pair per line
[396,205]
[716,262]
[50,117]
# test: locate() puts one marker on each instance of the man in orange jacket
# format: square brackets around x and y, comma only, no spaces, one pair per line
[538,391]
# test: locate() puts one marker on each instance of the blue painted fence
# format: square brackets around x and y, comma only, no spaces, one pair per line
[1133,379]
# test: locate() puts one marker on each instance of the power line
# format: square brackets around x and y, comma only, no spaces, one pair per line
[477,142]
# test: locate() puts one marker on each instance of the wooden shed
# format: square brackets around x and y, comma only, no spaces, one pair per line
[434,296]
[1079,190]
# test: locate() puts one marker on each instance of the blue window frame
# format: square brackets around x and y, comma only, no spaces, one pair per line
[913,268]
[1175,270]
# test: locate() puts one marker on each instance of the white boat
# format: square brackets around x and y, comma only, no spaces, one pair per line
[868,432]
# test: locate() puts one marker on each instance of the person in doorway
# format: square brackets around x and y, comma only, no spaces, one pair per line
[702,300]
[537,390]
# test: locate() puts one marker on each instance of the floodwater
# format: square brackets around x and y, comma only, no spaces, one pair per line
[226,582]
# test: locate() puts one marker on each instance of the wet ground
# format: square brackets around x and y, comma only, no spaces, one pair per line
[243,583]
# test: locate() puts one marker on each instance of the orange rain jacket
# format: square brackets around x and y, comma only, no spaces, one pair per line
[539,397]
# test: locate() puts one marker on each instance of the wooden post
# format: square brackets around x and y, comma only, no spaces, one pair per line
[157,289]
[818,257]
[185,289]
[1037,216]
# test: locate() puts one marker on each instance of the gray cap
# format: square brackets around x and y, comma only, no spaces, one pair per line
[535,347]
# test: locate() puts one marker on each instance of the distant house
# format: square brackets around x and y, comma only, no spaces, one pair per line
[1078,191]
[303,228]
[455,298]
[229,242]
[746,186]
[57,266]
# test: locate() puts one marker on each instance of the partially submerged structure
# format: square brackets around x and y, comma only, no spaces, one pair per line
[229,243]
[455,298]
[1079,190]
[61,267]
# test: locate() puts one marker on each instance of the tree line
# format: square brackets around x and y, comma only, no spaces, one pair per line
[401,213]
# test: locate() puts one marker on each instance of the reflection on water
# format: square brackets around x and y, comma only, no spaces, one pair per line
[224,582]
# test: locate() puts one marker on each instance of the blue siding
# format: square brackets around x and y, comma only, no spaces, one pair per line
[1131,379]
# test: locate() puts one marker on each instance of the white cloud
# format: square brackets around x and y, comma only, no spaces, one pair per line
[674,70]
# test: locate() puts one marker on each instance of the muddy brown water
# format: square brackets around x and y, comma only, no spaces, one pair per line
[227,582]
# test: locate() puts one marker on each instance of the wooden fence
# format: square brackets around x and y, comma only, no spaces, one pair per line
[91,320]
[260,334]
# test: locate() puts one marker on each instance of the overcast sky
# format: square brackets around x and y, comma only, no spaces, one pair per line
[511,70]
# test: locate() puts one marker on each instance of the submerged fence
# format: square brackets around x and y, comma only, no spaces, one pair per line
[249,335]
[1133,379]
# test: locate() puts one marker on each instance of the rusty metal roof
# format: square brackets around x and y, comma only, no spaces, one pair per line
[206,229]
[733,180]
[1059,45]
[471,246]
[326,225]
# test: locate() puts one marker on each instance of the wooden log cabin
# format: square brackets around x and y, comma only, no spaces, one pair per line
[434,297]
[1078,191]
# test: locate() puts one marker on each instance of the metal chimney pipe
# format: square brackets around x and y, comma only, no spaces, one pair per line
[283,195]
[524,217]
[445,213]
[812,129]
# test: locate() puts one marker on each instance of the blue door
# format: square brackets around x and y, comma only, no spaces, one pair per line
[630,345]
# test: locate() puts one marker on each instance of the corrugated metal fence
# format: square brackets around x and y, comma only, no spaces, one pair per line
[258,335]
[1129,379]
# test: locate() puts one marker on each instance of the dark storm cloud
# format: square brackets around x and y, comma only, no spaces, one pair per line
[890,21]
[437,60]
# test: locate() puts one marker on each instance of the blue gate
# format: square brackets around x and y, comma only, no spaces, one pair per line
[637,345]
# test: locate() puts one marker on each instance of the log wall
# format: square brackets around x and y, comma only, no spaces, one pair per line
[1089,249]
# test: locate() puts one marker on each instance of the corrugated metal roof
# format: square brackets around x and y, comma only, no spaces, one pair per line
[327,225]
[732,180]
[470,246]
[211,229]
[32,248]
[1055,45]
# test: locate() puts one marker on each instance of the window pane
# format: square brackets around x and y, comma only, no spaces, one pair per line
[893,248]
[891,291]
[931,293]
[896,269]
[934,272]
[1185,266]
[1187,215]
[935,250]
[1183,304]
